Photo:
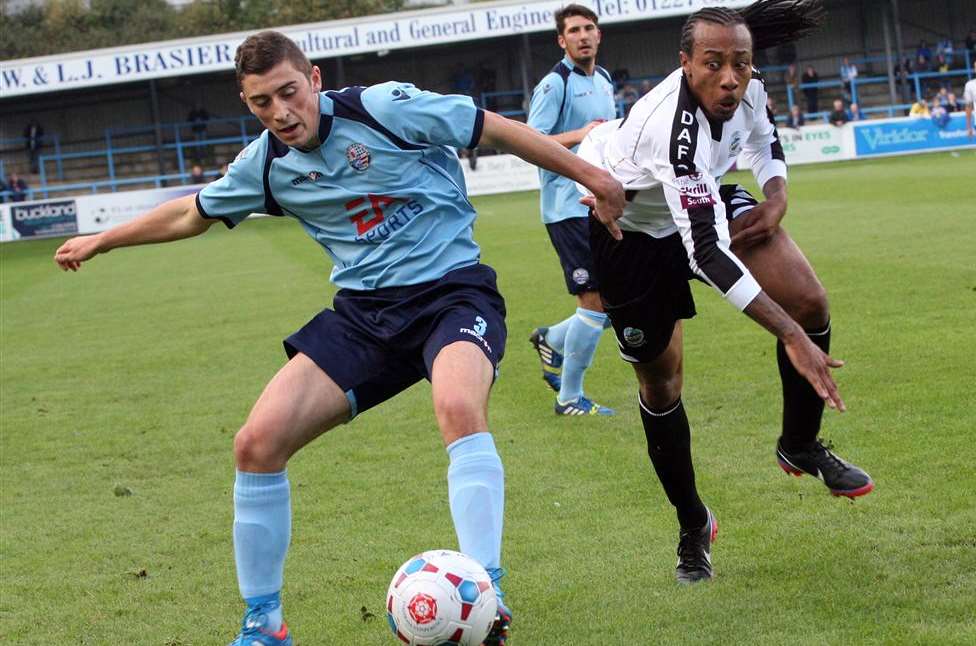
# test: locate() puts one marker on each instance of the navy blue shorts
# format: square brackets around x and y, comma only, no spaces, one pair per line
[377,343]
[571,239]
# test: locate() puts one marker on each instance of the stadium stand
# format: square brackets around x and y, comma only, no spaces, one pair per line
[104,138]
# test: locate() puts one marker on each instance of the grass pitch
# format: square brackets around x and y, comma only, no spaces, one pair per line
[123,385]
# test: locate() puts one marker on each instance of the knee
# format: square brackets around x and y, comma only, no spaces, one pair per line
[255,449]
[811,309]
[458,417]
[660,392]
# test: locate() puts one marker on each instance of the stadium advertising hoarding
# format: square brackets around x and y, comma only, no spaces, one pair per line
[816,143]
[318,40]
[84,214]
[40,219]
[94,213]
[900,136]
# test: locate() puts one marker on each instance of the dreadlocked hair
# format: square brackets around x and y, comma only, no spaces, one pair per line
[777,22]
[772,22]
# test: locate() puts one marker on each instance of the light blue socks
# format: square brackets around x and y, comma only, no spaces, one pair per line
[262,531]
[476,489]
[582,337]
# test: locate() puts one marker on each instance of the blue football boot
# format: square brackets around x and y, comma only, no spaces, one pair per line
[552,361]
[498,636]
[583,406]
[254,631]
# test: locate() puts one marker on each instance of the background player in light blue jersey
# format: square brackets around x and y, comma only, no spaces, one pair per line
[575,96]
[372,175]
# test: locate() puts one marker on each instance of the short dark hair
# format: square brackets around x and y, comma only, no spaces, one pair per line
[571,10]
[715,15]
[263,50]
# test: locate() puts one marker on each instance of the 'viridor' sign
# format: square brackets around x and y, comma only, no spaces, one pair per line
[318,40]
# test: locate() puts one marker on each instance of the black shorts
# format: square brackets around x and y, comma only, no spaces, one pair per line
[571,239]
[644,281]
[380,342]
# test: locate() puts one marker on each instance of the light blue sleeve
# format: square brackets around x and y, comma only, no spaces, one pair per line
[240,192]
[547,99]
[423,117]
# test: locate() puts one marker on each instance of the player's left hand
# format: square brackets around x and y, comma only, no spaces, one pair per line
[758,225]
[607,203]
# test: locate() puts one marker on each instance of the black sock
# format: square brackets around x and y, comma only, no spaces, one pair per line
[802,406]
[669,447]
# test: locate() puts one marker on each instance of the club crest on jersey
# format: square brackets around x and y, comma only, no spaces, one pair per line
[694,191]
[358,157]
[736,145]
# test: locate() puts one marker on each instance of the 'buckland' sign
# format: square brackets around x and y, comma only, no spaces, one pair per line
[319,40]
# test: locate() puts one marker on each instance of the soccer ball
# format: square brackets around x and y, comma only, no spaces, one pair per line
[441,598]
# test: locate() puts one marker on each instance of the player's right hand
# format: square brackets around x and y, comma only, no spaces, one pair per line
[607,204]
[75,251]
[815,365]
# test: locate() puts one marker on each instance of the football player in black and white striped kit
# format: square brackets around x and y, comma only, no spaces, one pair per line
[670,154]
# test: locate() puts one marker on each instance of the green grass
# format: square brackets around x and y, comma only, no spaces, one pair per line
[136,372]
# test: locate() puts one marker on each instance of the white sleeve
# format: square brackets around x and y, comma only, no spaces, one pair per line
[696,207]
[762,149]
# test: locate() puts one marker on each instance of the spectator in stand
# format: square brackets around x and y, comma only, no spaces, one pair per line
[940,116]
[795,118]
[923,53]
[946,49]
[953,105]
[854,113]
[198,118]
[3,190]
[645,87]
[941,66]
[196,174]
[628,96]
[791,78]
[848,72]
[811,93]
[18,188]
[221,171]
[903,73]
[922,64]
[919,109]
[33,138]
[838,116]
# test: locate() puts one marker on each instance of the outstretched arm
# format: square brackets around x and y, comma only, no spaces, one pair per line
[173,220]
[809,360]
[540,150]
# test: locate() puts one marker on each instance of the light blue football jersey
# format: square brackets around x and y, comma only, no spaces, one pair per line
[383,194]
[566,99]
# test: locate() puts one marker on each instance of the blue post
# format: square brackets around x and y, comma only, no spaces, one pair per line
[918,86]
[789,96]
[57,153]
[109,159]
[180,161]
[243,132]
[854,90]
[42,175]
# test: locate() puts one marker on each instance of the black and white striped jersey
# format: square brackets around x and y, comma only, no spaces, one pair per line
[670,157]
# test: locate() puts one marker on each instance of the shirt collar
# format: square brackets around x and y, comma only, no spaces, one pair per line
[573,66]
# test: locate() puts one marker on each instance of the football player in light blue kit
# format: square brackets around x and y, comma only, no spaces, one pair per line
[574,97]
[372,175]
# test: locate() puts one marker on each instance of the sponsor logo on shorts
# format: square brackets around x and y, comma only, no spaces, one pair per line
[479,328]
[634,337]
[694,191]
[358,157]
[580,276]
